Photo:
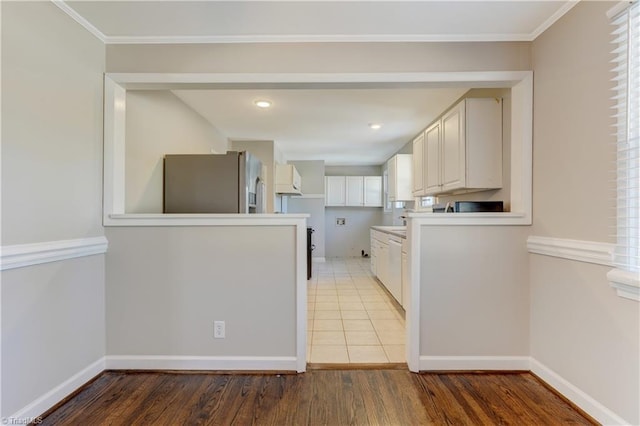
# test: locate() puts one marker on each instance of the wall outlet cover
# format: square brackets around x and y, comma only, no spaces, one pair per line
[218,330]
[341,221]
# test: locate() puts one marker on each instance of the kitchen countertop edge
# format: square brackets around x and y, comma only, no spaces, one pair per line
[159,219]
[393,231]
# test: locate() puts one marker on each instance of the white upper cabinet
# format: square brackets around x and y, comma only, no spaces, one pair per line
[400,177]
[354,191]
[373,191]
[288,179]
[431,159]
[418,167]
[335,187]
[463,150]
[452,151]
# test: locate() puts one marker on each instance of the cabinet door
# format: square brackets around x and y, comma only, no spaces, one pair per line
[355,191]
[335,191]
[406,285]
[432,159]
[404,177]
[418,166]
[373,191]
[394,270]
[382,263]
[374,249]
[453,148]
[391,178]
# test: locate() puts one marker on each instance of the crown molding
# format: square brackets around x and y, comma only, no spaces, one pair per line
[317,38]
[552,19]
[80,20]
[314,38]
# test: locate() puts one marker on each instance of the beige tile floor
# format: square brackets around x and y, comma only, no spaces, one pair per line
[351,318]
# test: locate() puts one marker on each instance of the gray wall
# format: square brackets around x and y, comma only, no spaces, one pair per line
[266,152]
[353,171]
[349,240]
[312,176]
[52,314]
[166,286]
[159,123]
[474,295]
[580,328]
[320,57]
[51,126]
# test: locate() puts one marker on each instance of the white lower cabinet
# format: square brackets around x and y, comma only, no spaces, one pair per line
[374,254]
[382,264]
[386,262]
[394,271]
[406,277]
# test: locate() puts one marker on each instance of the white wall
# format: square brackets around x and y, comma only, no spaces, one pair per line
[159,123]
[580,328]
[52,314]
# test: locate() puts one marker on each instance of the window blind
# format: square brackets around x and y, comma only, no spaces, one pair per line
[626,67]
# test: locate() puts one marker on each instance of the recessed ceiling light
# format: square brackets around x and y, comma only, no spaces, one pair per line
[263,103]
[375,126]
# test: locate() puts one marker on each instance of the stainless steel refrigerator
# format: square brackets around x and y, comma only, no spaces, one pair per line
[213,183]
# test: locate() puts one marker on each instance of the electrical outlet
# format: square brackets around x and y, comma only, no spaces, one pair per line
[341,221]
[218,329]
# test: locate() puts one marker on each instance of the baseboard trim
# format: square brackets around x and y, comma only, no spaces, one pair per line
[473,363]
[54,396]
[161,362]
[574,394]
[21,255]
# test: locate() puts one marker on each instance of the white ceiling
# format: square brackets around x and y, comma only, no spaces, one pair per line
[327,124]
[342,20]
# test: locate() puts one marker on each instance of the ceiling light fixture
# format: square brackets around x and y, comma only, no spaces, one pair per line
[375,126]
[262,103]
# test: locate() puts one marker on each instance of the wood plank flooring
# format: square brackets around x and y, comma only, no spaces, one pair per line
[318,397]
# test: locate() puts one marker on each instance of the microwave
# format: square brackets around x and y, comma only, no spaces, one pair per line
[470,207]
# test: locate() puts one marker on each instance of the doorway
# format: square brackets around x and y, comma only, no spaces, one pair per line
[352,319]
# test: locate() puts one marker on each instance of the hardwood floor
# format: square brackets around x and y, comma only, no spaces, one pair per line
[318,397]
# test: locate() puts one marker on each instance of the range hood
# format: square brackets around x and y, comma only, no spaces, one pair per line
[288,180]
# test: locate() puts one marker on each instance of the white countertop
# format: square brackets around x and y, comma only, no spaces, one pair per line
[160,219]
[399,231]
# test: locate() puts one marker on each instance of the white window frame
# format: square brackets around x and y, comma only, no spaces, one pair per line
[625,17]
